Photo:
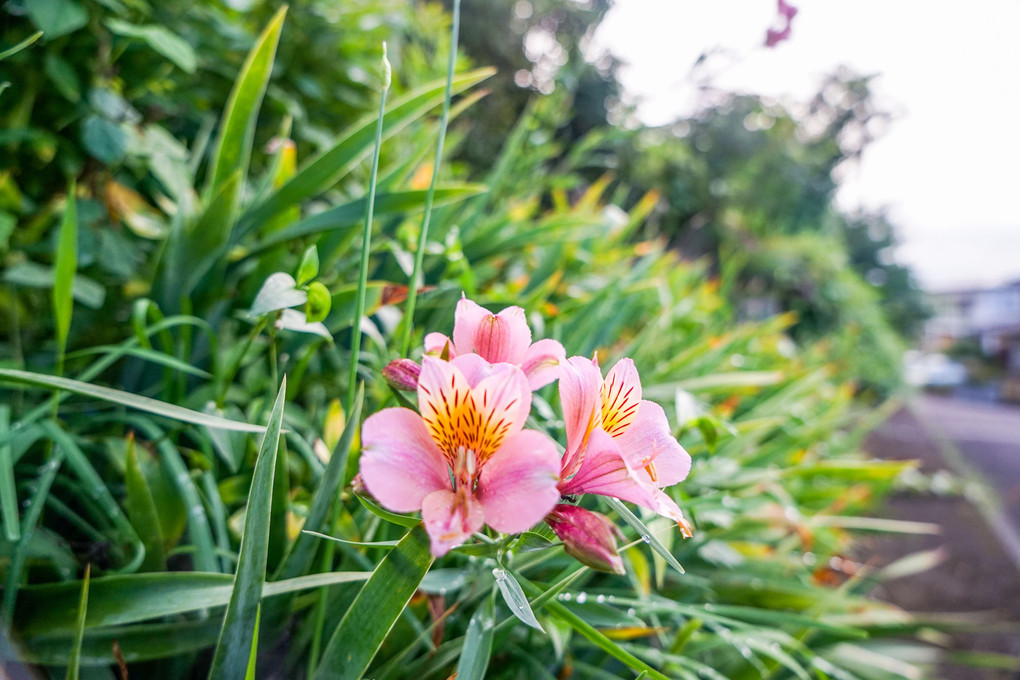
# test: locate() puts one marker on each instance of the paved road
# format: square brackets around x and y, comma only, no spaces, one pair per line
[987,439]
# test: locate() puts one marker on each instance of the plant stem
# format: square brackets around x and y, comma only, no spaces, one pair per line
[419,255]
[366,243]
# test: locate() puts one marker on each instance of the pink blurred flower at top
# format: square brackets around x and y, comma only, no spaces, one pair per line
[465,460]
[774,36]
[618,444]
[499,338]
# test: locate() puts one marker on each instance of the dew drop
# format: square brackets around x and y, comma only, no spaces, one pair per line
[631,611]
[646,538]
[600,599]
[582,598]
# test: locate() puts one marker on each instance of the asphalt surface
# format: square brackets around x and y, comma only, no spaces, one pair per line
[979,446]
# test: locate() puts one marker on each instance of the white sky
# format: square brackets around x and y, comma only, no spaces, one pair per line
[949,165]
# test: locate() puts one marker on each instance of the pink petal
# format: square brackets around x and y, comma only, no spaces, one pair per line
[437,343]
[649,440]
[475,368]
[580,382]
[588,536]
[604,471]
[502,395]
[400,464]
[667,507]
[541,362]
[502,337]
[450,518]
[621,397]
[517,486]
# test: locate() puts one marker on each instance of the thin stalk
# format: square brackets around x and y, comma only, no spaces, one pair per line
[366,242]
[419,255]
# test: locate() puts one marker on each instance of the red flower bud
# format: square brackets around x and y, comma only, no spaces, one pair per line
[587,536]
[402,374]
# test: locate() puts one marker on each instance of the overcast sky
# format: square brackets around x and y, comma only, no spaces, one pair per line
[948,165]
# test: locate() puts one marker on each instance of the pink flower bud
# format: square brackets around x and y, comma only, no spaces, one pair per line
[402,374]
[587,536]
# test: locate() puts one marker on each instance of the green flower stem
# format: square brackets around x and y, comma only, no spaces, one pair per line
[419,255]
[366,243]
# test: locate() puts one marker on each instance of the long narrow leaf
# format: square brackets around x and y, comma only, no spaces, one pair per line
[374,611]
[66,263]
[79,634]
[646,534]
[474,655]
[234,648]
[142,511]
[237,127]
[8,491]
[141,403]
[329,167]
[35,506]
[133,598]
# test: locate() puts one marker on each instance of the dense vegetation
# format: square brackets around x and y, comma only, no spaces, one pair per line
[162,163]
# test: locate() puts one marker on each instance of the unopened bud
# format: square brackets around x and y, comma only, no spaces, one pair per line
[402,374]
[587,536]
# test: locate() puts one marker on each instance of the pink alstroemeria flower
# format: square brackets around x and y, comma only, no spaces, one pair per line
[465,460]
[618,444]
[503,337]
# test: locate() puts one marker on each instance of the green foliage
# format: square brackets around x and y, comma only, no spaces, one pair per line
[140,462]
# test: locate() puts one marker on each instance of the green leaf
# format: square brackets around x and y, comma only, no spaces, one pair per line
[319,301]
[237,126]
[66,260]
[477,649]
[141,403]
[84,290]
[47,473]
[375,609]
[205,241]
[141,510]
[351,214]
[20,46]
[8,491]
[140,642]
[104,140]
[383,513]
[591,634]
[57,17]
[170,45]
[132,598]
[299,559]
[646,534]
[326,169]
[308,269]
[514,597]
[278,291]
[154,356]
[79,633]
[234,647]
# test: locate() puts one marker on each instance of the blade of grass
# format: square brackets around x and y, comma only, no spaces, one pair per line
[238,636]
[375,609]
[66,263]
[419,255]
[8,491]
[141,403]
[47,473]
[79,634]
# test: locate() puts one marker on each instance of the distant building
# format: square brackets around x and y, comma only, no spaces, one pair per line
[990,317]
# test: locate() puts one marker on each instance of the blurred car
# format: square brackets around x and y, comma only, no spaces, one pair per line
[930,369]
